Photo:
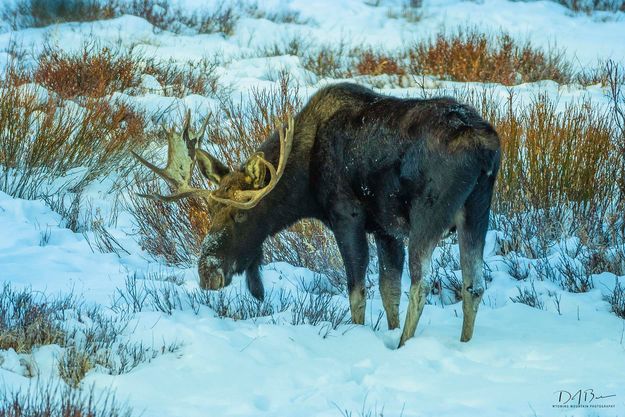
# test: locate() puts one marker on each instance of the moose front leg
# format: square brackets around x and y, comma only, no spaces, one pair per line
[351,238]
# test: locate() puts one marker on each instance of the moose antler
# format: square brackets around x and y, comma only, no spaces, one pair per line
[181,158]
[246,199]
[180,163]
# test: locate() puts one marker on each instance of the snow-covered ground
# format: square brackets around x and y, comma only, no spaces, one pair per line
[520,359]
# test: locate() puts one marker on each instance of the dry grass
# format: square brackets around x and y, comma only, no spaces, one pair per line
[469,55]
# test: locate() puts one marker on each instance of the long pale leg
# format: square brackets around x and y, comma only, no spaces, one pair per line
[472,225]
[420,253]
[391,260]
[348,227]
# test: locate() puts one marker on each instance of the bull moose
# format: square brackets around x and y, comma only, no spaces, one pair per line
[360,162]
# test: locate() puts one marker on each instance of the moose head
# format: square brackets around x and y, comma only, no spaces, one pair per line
[225,250]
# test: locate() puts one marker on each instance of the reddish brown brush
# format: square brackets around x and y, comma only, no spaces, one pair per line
[93,72]
[474,56]
[371,63]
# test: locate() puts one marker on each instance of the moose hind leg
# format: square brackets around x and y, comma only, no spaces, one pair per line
[420,252]
[472,223]
[391,262]
[428,223]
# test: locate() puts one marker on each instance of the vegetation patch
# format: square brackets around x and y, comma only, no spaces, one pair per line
[160,13]
[469,55]
[589,6]
[28,319]
[92,72]
[54,400]
[617,299]
[90,337]
[40,140]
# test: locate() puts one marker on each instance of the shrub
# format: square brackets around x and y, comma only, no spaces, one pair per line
[589,6]
[573,276]
[92,72]
[160,13]
[409,11]
[326,61]
[163,16]
[284,15]
[375,63]
[577,141]
[469,55]
[74,365]
[155,292]
[538,202]
[172,231]
[40,140]
[40,13]
[180,80]
[315,305]
[90,337]
[579,194]
[529,296]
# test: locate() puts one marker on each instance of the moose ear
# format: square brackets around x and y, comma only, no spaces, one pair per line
[256,170]
[210,166]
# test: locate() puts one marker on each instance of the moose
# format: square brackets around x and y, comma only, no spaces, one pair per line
[361,163]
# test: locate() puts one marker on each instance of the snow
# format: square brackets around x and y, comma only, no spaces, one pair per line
[519,358]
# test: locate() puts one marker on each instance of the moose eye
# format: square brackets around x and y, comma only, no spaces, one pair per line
[240,216]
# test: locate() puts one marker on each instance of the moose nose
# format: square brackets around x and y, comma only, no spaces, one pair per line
[211,280]
[212,277]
